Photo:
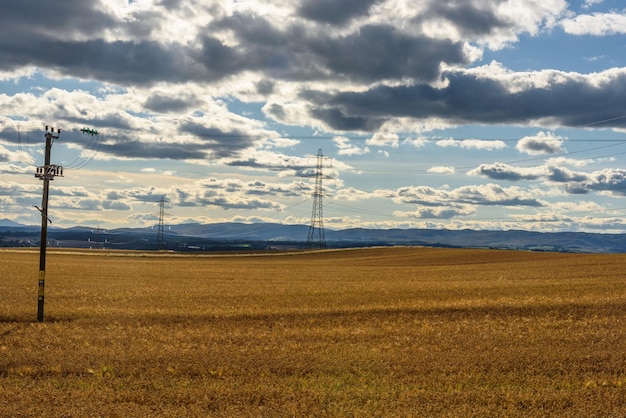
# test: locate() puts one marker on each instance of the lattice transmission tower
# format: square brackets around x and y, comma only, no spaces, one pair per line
[316,237]
[160,230]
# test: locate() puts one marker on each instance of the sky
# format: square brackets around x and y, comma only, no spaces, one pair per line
[461,114]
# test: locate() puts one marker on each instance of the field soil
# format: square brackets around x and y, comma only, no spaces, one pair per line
[381,332]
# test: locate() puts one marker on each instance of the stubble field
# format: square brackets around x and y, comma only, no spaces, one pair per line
[390,332]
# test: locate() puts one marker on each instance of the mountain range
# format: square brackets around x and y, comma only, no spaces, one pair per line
[230,236]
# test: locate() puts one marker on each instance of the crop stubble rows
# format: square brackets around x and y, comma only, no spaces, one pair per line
[378,332]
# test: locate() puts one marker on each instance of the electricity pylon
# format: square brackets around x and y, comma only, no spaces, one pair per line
[160,230]
[316,237]
[47,172]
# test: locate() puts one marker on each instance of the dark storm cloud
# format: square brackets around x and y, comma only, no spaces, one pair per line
[221,60]
[336,119]
[466,16]
[333,11]
[11,135]
[111,205]
[382,52]
[165,103]
[27,19]
[129,148]
[112,120]
[372,53]
[122,62]
[265,87]
[221,144]
[467,98]
[68,37]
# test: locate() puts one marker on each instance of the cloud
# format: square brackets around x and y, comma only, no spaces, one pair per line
[484,195]
[469,18]
[124,147]
[227,194]
[384,139]
[333,12]
[596,24]
[162,102]
[136,45]
[417,142]
[436,213]
[272,161]
[113,205]
[347,148]
[480,144]
[9,188]
[549,172]
[591,3]
[542,143]
[441,170]
[608,180]
[501,171]
[611,180]
[565,175]
[147,45]
[480,96]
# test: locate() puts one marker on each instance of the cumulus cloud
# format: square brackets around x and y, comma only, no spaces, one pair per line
[384,139]
[596,24]
[609,180]
[480,144]
[436,213]
[346,147]
[144,43]
[542,143]
[471,96]
[501,171]
[440,169]
[484,195]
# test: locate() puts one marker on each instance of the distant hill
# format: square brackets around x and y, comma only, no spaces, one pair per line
[9,223]
[232,235]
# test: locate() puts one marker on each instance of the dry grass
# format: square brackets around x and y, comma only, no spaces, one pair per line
[381,332]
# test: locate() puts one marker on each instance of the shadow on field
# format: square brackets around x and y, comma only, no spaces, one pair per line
[24,320]
[569,311]
[11,325]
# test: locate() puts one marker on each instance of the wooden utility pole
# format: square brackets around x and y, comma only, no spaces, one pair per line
[46,173]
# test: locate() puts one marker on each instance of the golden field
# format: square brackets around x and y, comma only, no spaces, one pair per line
[384,332]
